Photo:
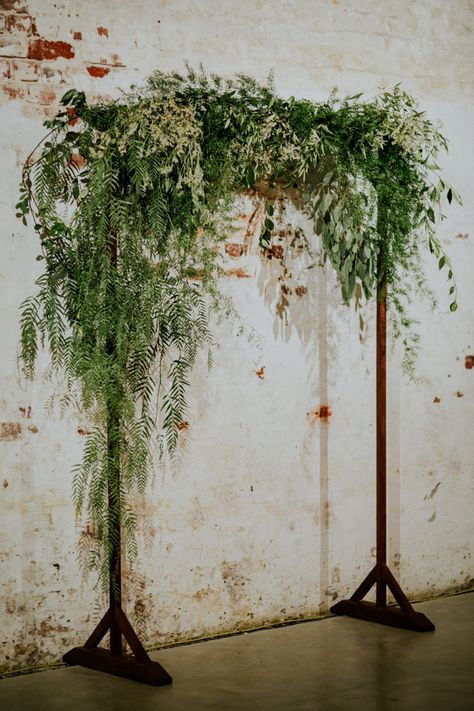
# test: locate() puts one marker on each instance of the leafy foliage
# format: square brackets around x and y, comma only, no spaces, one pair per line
[129,200]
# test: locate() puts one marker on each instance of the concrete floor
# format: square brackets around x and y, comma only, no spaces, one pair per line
[331,665]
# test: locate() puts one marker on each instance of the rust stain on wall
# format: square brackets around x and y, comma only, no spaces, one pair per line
[103,31]
[469,362]
[234,580]
[261,372]
[436,399]
[202,594]
[325,514]
[324,414]
[10,431]
[46,627]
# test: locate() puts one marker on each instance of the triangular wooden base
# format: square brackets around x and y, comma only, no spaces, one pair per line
[402,616]
[138,667]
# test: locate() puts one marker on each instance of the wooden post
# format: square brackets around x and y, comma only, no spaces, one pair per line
[114,532]
[402,615]
[113,661]
[381,446]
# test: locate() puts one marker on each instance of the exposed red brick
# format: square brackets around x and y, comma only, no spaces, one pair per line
[12,46]
[98,72]
[25,70]
[13,92]
[20,23]
[469,362]
[103,31]
[71,112]
[234,250]
[261,372]
[42,94]
[6,69]
[47,49]
[77,160]
[16,5]
[77,35]
[51,71]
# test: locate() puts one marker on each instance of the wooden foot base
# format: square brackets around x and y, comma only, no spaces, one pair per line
[138,667]
[393,616]
[123,665]
[402,616]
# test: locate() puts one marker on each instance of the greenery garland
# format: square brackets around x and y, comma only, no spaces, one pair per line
[129,200]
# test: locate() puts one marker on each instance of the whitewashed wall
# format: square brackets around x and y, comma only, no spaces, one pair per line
[270,515]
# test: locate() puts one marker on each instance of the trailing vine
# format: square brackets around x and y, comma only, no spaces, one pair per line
[129,200]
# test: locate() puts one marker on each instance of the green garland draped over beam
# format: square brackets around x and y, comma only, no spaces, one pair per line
[129,200]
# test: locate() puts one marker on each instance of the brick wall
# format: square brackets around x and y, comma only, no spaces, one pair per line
[37,68]
[269,515]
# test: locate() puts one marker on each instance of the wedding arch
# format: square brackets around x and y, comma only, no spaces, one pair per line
[129,200]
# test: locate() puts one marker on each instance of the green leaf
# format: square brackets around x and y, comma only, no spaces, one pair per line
[442,262]
[453,306]
[450,195]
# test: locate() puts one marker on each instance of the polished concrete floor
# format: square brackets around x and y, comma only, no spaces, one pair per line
[336,664]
